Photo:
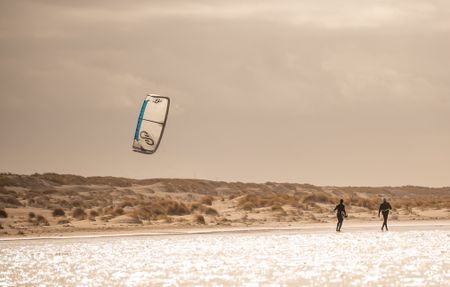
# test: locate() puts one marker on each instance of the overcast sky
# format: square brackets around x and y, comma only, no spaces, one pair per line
[351,92]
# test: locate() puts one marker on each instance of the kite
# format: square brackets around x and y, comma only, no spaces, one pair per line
[151,123]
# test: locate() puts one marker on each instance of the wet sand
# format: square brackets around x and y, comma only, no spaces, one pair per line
[349,226]
[408,255]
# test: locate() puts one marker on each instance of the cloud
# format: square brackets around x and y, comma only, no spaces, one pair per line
[318,13]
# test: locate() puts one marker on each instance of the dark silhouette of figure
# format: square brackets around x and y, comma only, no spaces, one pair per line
[385,207]
[340,214]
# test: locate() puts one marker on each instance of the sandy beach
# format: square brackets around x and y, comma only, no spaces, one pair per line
[410,254]
[67,230]
[355,226]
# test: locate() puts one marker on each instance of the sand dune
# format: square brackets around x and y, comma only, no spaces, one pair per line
[52,203]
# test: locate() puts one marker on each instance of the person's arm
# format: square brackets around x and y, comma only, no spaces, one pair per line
[345,212]
[389,206]
[335,208]
[379,210]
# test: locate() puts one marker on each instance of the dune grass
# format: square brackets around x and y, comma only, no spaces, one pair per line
[172,200]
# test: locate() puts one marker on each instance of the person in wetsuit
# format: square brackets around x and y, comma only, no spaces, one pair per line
[385,207]
[340,214]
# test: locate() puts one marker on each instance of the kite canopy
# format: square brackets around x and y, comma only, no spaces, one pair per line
[151,123]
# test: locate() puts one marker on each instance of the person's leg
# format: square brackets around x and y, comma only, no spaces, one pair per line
[340,223]
[385,217]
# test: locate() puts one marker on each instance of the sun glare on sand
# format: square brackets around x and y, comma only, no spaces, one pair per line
[283,258]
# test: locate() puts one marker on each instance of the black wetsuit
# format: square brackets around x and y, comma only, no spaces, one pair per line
[384,209]
[340,215]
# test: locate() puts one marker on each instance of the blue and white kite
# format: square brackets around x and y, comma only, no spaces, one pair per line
[151,123]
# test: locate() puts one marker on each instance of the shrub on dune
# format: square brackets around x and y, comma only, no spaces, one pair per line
[277,208]
[313,206]
[118,211]
[372,204]
[207,200]
[280,199]
[41,220]
[58,212]
[79,213]
[108,210]
[149,211]
[63,221]
[158,207]
[197,206]
[42,201]
[3,213]
[211,211]
[249,201]
[31,216]
[177,208]
[63,203]
[8,200]
[128,203]
[93,213]
[248,206]
[76,202]
[200,219]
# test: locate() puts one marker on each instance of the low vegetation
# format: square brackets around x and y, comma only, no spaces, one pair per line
[71,198]
[251,201]
[9,200]
[37,219]
[200,219]
[79,213]
[63,221]
[211,211]
[319,197]
[3,213]
[207,200]
[58,212]
[158,207]
[93,213]
[41,220]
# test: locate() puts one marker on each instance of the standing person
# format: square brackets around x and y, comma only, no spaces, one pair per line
[385,207]
[340,214]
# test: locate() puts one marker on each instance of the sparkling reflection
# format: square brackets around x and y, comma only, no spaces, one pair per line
[228,259]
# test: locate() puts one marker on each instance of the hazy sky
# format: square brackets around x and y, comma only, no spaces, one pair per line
[351,92]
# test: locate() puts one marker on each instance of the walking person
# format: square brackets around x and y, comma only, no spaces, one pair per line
[385,207]
[340,214]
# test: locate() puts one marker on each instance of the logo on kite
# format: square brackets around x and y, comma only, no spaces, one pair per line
[151,123]
[146,137]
